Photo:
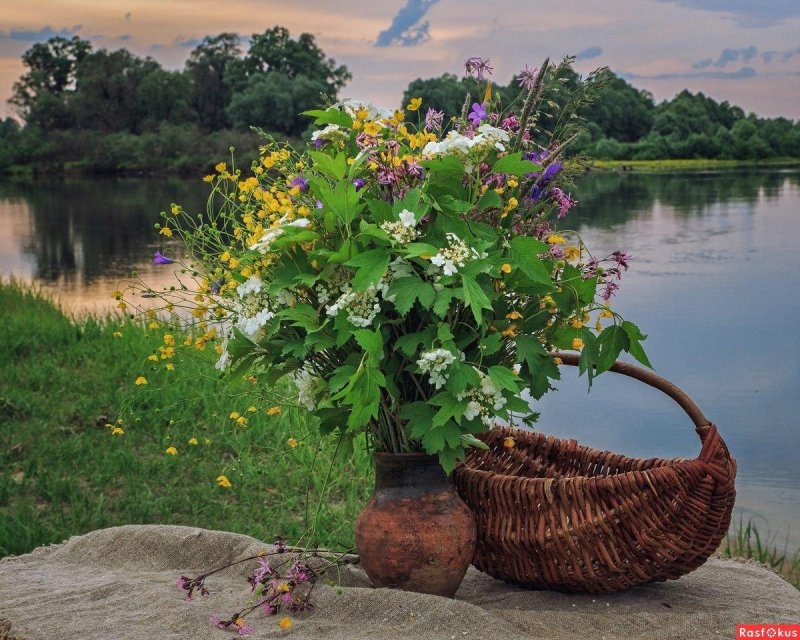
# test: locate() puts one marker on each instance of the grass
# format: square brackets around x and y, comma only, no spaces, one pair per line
[693,164]
[63,473]
[746,541]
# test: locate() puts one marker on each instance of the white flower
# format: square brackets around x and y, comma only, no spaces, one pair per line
[332,130]
[455,256]
[408,218]
[434,363]
[224,358]
[373,113]
[484,400]
[305,383]
[252,285]
[250,326]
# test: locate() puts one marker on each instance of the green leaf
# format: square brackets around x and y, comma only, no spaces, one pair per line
[340,377]
[409,343]
[461,376]
[449,457]
[415,249]
[453,205]
[404,291]
[443,333]
[537,365]
[635,336]
[476,298]
[525,255]
[334,167]
[418,417]
[468,440]
[515,165]
[444,169]
[371,342]
[380,209]
[449,408]
[490,344]
[330,116]
[504,378]
[612,341]
[371,265]
[490,200]
[443,298]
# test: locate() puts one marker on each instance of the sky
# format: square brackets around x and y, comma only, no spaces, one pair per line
[744,51]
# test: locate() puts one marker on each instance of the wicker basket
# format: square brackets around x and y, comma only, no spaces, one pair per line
[553,514]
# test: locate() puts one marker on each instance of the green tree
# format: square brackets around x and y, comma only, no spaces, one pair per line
[621,111]
[275,51]
[445,93]
[41,94]
[207,68]
[273,101]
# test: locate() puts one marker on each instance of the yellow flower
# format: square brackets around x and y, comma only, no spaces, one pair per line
[514,315]
[606,313]
[572,253]
[509,443]
[233,263]
[208,178]
[116,431]
[223,482]
[206,442]
[506,268]
[273,411]
[241,421]
[116,294]
[415,104]
[558,361]
[172,451]
[193,441]
[285,623]
[222,166]
[140,381]
[511,182]
[153,325]
[166,231]
[511,332]
[169,340]
[576,322]
[555,239]
[153,357]
[512,203]
[117,334]
[372,128]
[234,415]
[251,409]
[175,209]
[170,367]
[292,443]
[577,344]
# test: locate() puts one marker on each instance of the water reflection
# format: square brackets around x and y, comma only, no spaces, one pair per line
[76,237]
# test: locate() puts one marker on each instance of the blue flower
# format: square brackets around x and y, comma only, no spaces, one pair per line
[477,114]
[159,258]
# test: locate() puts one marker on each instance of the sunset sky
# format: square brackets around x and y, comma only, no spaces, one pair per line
[743,51]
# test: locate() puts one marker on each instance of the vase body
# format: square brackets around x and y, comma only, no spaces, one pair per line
[415,533]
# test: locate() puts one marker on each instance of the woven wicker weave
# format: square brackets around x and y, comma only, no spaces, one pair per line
[553,514]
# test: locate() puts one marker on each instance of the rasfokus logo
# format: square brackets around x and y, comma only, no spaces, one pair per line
[768,631]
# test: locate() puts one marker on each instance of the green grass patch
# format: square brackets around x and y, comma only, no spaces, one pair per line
[746,540]
[693,164]
[64,473]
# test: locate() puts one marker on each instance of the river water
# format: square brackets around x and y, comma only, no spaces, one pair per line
[714,282]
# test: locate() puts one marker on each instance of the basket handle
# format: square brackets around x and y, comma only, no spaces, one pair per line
[714,452]
[650,378]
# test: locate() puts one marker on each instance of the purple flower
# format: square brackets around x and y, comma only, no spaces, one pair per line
[621,258]
[527,77]
[564,200]
[609,290]
[433,119]
[510,123]
[318,143]
[301,182]
[159,258]
[556,251]
[359,183]
[263,570]
[477,114]
[319,204]
[476,67]
[215,286]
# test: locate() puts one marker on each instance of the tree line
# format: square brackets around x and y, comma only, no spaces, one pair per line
[113,110]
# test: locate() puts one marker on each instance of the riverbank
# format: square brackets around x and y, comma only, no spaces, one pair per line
[692,164]
[65,473]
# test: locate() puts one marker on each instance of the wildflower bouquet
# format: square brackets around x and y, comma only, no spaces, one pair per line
[404,272]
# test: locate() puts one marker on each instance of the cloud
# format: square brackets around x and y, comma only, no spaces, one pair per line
[746,54]
[589,53]
[742,74]
[406,29]
[187,42]
[747,13]
[40,35]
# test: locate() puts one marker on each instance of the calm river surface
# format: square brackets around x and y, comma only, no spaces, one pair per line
[714,282]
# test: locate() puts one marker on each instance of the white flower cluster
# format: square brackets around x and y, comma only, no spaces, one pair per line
[455,256]
[402,231]
[483,398]
[252,307]
[305,382]
[434,363]
[361,306]
[487,138]
[274,232]
[331,132]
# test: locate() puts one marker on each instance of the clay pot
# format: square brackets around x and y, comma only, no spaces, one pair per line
[415,533]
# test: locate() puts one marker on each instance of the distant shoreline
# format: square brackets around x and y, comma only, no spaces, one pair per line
[693,164]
